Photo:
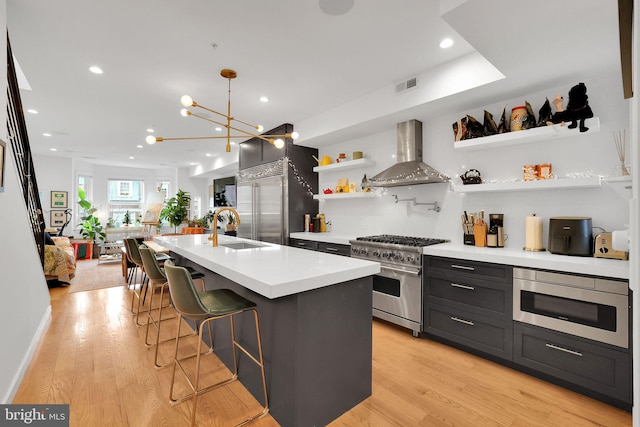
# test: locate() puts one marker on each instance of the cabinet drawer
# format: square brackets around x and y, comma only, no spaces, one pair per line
[583,363]
[333,248]
[488,335]
[305,244]
[486,297]
[496,272]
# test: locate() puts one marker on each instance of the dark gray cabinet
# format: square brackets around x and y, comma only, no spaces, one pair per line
[599,370]
[333,248]
[256,151]
[304,244]
[469,303]
[330,248]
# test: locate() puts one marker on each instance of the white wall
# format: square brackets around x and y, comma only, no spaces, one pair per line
[52,174]
[24,305]
[590,153]
[60,174]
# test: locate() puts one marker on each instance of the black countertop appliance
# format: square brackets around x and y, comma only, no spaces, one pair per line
[570,235]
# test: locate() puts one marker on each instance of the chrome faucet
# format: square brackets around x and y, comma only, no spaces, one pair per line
[214,234]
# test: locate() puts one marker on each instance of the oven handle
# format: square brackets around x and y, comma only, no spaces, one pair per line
[400,270]
[566,350]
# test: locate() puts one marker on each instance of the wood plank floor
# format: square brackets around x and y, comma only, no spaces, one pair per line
[93,357]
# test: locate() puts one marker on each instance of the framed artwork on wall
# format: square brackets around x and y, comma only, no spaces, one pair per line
[3,147]
[59,199]
[57,218]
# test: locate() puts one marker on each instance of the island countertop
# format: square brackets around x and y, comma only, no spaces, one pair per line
[270,270]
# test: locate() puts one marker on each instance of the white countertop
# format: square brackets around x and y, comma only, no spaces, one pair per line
[544,260]
[271,270]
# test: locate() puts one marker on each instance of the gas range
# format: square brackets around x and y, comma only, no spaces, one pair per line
[397,289]
[392,249]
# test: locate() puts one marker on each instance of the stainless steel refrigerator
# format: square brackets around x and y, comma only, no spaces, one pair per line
[272,200]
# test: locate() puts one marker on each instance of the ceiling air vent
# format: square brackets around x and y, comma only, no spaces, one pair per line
[406,85]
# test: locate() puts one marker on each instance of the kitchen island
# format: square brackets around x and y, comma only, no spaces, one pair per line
[315,320]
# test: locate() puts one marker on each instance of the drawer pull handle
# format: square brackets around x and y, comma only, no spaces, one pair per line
[566,350]
[466,322]
[302,244]
[462,267]
[458,285]
[332,249]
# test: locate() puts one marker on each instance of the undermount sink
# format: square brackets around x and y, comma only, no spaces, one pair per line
[241,245]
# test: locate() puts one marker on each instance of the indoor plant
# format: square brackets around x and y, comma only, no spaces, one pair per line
[126,220]
[231,221]
[90,227]
[176,209]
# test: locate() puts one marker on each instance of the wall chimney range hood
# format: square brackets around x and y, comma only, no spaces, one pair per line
[409,170]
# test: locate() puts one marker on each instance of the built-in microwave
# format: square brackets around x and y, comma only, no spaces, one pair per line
[584,306]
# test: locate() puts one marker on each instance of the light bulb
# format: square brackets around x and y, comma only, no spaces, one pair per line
[278,143]
[184,112]
[294,135]
[259,128]
[186,101]
[151,139]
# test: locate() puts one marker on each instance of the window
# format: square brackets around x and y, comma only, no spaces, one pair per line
[85,182]
[163,185]
[126,195]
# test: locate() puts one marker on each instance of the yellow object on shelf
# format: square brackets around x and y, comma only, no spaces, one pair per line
[342,186]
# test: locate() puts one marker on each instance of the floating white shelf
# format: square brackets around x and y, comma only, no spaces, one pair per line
[548,184]
[526,136]
[345,165]
[616,179]
[357,195]
[620,184]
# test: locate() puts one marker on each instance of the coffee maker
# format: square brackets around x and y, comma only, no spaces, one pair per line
[495,237]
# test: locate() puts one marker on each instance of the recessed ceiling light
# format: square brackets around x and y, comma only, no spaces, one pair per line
[150,130]
[264,99]
[218,129]
[139,146]
[208,154]
[131,157]
[95,70]
[53,149]
[46,134]
[335,7]
[32,111]
[192,163]
[446,43]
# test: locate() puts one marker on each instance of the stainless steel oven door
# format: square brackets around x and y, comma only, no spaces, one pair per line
[397,296]
[591,314]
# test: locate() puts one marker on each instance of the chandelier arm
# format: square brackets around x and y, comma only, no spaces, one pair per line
[200,137]
[253,135]
[225,116]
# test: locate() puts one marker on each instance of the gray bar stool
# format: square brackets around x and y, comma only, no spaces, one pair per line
[133,253]
[207,306]
[158,280]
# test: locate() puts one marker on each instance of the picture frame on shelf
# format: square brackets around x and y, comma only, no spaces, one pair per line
[3,147]
[57,218]
[60,199]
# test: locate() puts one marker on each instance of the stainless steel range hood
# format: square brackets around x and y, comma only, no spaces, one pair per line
[410,170]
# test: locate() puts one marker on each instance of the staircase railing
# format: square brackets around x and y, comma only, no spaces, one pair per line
[19,142]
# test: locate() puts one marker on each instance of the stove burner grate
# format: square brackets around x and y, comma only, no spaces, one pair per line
[402,240]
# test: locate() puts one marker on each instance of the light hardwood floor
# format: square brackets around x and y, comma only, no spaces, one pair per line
[93,357]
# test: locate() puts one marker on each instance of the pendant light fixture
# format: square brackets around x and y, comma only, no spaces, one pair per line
[229,123]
